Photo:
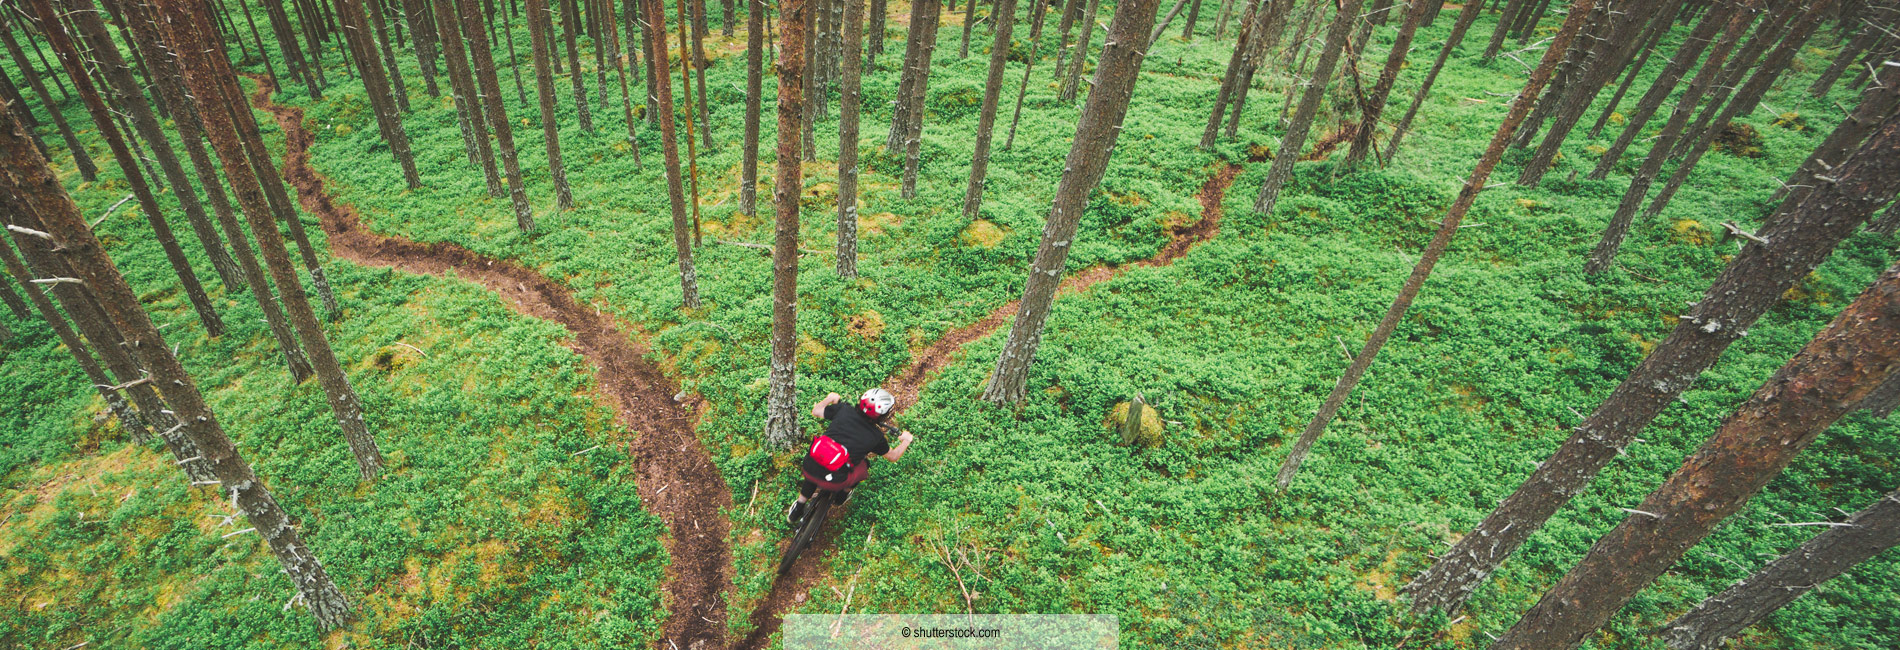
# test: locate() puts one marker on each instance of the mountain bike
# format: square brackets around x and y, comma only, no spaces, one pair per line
[820,509]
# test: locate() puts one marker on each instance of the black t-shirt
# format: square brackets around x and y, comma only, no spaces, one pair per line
[851,428]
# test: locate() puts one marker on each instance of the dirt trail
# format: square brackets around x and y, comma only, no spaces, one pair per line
[677,478]
[908,383]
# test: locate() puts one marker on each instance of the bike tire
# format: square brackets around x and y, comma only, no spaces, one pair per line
[808,531]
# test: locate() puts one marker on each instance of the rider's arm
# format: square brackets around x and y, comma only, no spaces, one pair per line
[903,443]
[818,410]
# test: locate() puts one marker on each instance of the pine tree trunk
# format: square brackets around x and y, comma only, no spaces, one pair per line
[88,171]
[726,27]
[239,145]
[1039,10]
[1268,28]
[969,22]
[1652,38]
[191,133]
[468,102]
[423,36]
[12,298]
[36,183]
[1569,75]
[1071,11]
[1466,16]
[986,121]
[916,72]
[1162,28]
[68,55]
[611,25]
[1864,39]
[1820,384]
[1295,138]
[808,87]
[686,86]
[570,23]
[130,98]
[1447,227]
[1665,84]
[1598,66]
[1193,18]
[1095,133]
[489,91]
[379,22]
[131,421]
[781,411]
[1231,77]
[1799,239]
[1071,84]
[383,98]
[1625,215]
[1375,101]
[700,63]
[1766,33]
[1746,98]
[662,106]
[874,34]
[754,89]
[1875,105]
[514,58]
[592,15]
[914,116]
[539,29]
[1837,549]
[1505,21]
[848,107]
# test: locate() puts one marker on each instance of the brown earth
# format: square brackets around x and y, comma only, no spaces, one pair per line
[908,383]
[677,479]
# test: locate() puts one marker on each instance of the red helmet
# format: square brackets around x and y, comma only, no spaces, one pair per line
[876,403]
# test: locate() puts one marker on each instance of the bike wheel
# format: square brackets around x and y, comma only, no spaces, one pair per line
[808,531]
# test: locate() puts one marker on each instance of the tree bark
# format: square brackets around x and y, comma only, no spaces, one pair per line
[1193,18]
[1799,237]
[380,23]
[848,107]
[1625,215]
[514,57]
[1232,76]
[1039,10]
[669,148]
[68,55]
[1686,55]
[1095,133]
[1875,105]
[495,115]
[1295,138]
[611,26]
[754,90]
[1447,227]
[1598,66]
[1071,11]
[1505,21]
[1824,381]
[12,298]
[700,63]
[1837,549]
[914,116]
[1071,85]
[88,171]
[1466,16]
[1766,33]
[1651,39]
[874,34]
[383,98]
[468,101]
[1868,35]
[35,182]
[986,122]
[570,24]
[687,62]
[131,421]
[539,30]
[423,36]
[781,411]
[1375,101]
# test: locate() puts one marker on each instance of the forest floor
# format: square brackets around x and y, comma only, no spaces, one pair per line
[547,489]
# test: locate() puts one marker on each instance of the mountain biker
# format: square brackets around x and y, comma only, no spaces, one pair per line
[853,435]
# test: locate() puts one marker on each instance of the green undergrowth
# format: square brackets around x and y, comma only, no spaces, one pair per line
[1234,345]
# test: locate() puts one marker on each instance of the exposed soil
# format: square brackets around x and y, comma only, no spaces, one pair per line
[677,479]
[908,383]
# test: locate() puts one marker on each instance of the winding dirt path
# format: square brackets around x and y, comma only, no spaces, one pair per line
[908,383]
[677,479]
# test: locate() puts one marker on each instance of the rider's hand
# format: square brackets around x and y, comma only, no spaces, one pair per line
[904,438]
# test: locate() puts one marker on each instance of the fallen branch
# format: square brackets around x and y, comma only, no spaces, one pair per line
[108,213]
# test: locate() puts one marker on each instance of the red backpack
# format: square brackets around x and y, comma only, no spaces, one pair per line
[828,453]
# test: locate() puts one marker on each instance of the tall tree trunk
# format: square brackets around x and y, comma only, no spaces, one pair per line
[969,22]
[725,27]
[382,95]
[1868,35]
[1665,84]
[1270,24]
[35,183]
[68,55]
[1839,547]
[669,147]
[423,36]
[88,171]
[1875,105]
[1466,16]
[12,298]
[539,30]
[916,71]
[1797,240]
[1658,28]
[130,98]
[1193,18]
[914,116]
[468,102]
[1071,85]
[1038,9]
[1598,66]
[700,63]
[611,26]
[874,34]
[1071,11]
[848,106]
[687,61]
[754,88]
[1375,101]
[293,53]
[131,421]
[495,115]
[986,122]
[1619,225]
[1864,117]
[1095,134]
[1824,381]
[212,81]
[781,411]
[396,87]
[1505,21]
[1447,227]
[514,57]
[1162,28]
[1295,138]
[1767,32]
[570,24]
